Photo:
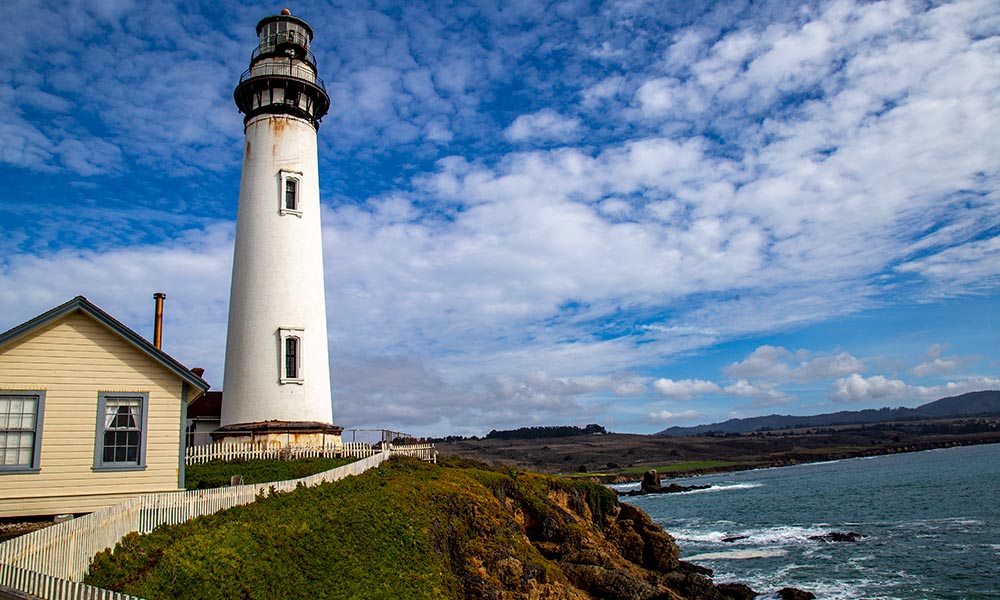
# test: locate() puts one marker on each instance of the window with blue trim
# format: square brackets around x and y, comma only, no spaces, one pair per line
[20,430]
[121,433]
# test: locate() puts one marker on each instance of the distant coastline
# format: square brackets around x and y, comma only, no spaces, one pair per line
[792,461]
[622,458]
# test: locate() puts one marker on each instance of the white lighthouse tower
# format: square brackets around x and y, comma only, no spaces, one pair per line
[277,379]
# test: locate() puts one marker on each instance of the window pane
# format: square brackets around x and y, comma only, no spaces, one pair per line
[290,194]
[291,357]
[17,429]
[122,429]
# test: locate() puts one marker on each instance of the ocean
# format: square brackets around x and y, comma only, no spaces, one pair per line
[930,521]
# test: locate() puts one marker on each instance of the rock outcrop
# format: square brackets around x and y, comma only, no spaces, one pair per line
[651,485]
[838,536]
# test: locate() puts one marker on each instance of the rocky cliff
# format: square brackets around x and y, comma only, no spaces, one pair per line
[460,530]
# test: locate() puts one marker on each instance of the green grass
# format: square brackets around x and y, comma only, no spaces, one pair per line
[219,473]
[405,529]
[685,466]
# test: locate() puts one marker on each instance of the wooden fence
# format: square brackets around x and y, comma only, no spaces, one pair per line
[257,451]
[49,562]
[39,585]
[424,452]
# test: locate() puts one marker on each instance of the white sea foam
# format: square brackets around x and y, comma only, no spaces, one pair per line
[625,487]
[837,590]
[738,554]
[770,536]
[703,537]
[725,488]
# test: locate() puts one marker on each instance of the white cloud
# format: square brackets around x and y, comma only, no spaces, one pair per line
[856,388]
[655,96]
[935,363]
[665,416]
[775,363]
[828,366]
[878,388]
[684,389]
[543,125]
[764,362]
[970,266]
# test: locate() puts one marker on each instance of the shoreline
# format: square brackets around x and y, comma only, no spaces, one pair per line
[793,460]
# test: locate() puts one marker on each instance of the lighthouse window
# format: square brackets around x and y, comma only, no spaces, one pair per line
[291,358]
[290,201]
[290,340]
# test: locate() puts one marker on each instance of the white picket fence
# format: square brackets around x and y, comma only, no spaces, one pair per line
[258,450]
[50,562]
[425,452]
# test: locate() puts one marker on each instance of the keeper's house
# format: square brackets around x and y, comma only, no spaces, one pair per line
[90,413]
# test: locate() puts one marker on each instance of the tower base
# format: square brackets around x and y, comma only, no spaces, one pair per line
[281,434]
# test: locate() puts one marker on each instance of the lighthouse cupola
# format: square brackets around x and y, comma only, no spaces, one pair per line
[282,76]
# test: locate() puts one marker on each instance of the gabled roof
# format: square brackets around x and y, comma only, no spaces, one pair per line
[85,306]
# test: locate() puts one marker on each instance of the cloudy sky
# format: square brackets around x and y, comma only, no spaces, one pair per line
[639,214]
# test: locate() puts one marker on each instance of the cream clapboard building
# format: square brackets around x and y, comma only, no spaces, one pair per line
[90,413]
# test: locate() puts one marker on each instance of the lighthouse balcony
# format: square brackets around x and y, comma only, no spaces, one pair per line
[293,71]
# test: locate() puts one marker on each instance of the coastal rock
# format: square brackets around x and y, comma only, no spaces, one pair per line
[735,591]
[837,536]
[609,583]
[651,485]
[693,568]
[650,482]
[734,538]
[790,593]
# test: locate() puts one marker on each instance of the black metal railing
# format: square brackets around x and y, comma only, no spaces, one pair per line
[284,70]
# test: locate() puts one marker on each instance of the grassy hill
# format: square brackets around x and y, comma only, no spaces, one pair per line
[412,530]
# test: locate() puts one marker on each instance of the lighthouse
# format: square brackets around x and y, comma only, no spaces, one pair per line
[276,386]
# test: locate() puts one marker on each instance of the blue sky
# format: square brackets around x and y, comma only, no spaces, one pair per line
[639,214]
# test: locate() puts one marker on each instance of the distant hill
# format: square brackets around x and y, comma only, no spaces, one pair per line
[972,404]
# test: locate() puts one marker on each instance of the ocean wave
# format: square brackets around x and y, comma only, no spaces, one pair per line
[738,554]
[771,536]
[837,590]
[724,488]
[624,487]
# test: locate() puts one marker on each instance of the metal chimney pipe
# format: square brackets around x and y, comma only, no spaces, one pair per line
[158,297]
